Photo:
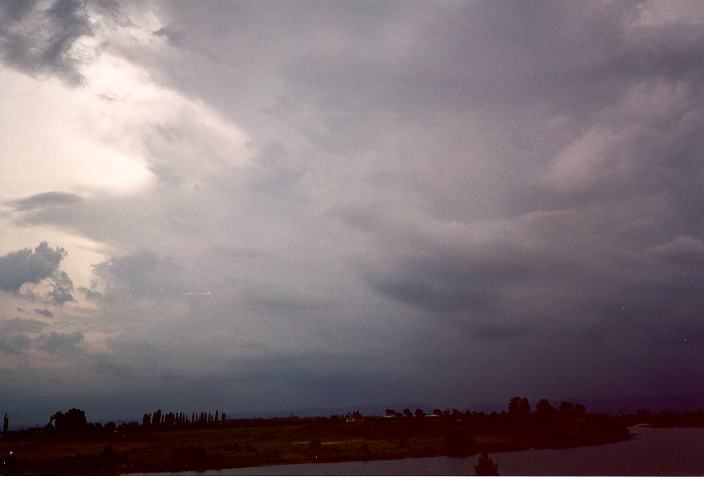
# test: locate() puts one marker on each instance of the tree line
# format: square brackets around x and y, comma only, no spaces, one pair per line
[157,419]
[519,416]
[518,407]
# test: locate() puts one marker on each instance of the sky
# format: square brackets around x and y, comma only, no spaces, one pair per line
[275,205]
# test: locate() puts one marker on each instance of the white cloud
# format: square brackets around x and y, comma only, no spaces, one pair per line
[52,142]
[102,138]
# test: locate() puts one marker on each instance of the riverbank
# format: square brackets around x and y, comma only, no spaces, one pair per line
[650,452]
[301,441]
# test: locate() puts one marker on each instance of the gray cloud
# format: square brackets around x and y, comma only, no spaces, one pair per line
[495,192]
[45,200]
[90,294]
[61,343]
[20,334]
[444,282]
[44,312]
[27,266]
[61,288]
[142,274]
[21,325]
[683,250]
[38,38]
[14,344]
[238,252]
[55,343]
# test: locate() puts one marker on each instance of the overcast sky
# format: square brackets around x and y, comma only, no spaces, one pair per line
[275,205]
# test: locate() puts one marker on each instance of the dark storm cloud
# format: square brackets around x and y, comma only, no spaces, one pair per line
[259,380]
[21,325]
[560,141]
[37,38]
[449,280]
[20,267]
[27,266]
[61,288]
[45,200]
[20,334]
[90,294]
[61,343]
[142,274]
[44,312]
[14,344]
[510,66]
[491,55]
[448,202]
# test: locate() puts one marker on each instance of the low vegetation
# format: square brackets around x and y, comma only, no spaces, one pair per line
[70,445]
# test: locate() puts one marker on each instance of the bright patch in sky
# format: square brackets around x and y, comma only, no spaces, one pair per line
[61,139]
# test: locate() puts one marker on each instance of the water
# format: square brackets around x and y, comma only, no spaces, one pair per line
[671,451]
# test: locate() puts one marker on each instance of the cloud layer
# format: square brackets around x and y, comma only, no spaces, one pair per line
[313,204]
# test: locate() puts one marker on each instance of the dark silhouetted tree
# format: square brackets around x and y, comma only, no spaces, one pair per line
[71,422]
[519,407]
[566,409]
[156,418]
[420,413]
[146,420]
[544,410]
[407,412]
[437,412]
[5,424]
[390,412]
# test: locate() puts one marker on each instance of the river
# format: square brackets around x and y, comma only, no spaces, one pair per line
[668,451]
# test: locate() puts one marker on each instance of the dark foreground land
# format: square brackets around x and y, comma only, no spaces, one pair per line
[215,443]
